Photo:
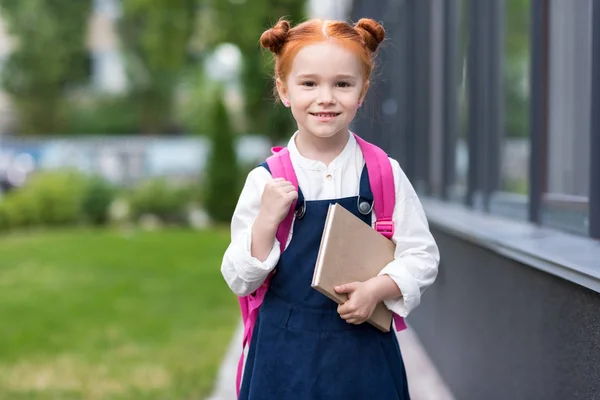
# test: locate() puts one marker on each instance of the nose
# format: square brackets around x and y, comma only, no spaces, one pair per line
[325,95]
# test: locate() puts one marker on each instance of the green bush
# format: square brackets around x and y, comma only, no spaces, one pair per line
[47,198]
[60,195]
[21,208]
[158,197]
[222,173]
[192,192]
[67,197]
[97,198]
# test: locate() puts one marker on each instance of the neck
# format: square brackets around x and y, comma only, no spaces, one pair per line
[321,149]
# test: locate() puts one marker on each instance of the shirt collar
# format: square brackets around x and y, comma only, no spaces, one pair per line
[307,163]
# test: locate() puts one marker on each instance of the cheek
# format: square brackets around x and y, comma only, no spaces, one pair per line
[349,99]
[298,109]
[301,99]
[296,113]
[351,113]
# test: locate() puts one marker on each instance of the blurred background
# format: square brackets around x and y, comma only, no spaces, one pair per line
[127,128]
[126,131]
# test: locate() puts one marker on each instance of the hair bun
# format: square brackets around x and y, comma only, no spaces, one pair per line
[274,38]
[371,31]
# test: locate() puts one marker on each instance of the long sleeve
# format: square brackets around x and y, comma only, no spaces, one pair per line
[416,259]
[242,272]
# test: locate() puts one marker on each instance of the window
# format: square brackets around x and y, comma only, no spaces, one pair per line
[515,80]
[510,191]
[565,197]
[458,188]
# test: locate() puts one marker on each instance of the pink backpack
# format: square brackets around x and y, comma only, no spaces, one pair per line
[381,179]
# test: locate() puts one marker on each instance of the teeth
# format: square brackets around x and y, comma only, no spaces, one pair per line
[325,115]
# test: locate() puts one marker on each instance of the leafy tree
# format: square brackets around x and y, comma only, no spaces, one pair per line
[49,58]
[222,172]
[242,23]
[156,35]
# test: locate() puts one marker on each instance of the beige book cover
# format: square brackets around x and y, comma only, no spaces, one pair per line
[351,251]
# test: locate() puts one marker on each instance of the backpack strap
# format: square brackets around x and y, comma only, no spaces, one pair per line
[280,166]
[381,178]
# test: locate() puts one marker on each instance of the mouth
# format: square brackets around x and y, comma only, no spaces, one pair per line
[325,114]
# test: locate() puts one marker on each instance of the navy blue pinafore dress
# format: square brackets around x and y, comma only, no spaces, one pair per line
[301,348]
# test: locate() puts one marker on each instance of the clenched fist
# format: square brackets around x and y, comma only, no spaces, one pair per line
[275,203]
[276,200]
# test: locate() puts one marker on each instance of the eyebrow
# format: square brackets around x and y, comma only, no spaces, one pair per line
[343,76]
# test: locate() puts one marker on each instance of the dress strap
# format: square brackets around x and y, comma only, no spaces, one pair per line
[365,194]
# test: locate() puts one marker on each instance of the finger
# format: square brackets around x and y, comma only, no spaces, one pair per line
[347,288]
[341,289]
[346,309]
[347,316]
[287,188]
[345,313]
[283,182]
[355,318]
[279,184]
[291,196]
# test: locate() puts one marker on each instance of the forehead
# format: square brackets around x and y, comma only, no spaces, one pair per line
[325,59]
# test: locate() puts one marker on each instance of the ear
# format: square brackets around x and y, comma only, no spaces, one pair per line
[363,93]
[281,90]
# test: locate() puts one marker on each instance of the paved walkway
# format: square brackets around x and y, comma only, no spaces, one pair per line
[423,379]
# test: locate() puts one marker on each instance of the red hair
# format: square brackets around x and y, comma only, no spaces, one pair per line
[285,42]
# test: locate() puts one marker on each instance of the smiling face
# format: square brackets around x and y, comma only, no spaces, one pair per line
[324,87]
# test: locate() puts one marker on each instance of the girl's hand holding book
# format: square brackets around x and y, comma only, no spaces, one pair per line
[362,300]
[363,297]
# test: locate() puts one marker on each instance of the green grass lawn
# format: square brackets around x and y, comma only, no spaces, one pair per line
[94,314]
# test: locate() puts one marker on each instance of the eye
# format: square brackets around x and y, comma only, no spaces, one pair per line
[344,84]
[309,83]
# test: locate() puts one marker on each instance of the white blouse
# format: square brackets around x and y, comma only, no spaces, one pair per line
[417,257]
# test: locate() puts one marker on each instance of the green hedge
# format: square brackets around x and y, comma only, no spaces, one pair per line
[55,198]
[51,198]
[97,198]
[161,198]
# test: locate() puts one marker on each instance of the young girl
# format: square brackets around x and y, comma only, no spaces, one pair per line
[304,345]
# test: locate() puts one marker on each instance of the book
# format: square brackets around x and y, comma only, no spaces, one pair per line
[351,251]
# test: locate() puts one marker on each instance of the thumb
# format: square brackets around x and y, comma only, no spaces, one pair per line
[347,288]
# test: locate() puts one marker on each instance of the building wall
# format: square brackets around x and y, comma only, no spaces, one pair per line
[499,329]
